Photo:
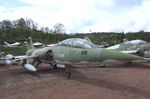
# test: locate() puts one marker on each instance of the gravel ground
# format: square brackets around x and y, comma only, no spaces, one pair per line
[115,81]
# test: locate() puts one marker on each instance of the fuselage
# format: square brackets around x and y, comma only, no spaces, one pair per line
[72,54]
[64,53]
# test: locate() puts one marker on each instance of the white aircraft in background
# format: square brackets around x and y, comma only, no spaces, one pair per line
[37,44]
[130,47]
[11,45]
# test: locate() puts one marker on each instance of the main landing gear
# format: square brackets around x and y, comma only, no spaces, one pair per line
[67,69]
[36,62]
[54,64]
[68,73]
[49,56]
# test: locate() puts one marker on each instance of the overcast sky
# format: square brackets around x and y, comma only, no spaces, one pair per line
[80,16]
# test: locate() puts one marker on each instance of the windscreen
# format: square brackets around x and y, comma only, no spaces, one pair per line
[76,42]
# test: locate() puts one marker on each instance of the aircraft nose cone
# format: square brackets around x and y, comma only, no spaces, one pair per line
[116,55]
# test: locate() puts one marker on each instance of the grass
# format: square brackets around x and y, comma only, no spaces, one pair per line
[14,50]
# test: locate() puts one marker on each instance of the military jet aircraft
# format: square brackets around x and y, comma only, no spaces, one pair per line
[138,47]
[70,51]
[16,44]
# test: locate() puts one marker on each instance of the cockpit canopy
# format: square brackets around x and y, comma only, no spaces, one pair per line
[77,42]
[135,42]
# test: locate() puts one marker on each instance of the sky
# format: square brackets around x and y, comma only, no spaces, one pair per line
[81,16]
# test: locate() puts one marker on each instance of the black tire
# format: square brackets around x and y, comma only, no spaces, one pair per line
[55,66]
[68,74]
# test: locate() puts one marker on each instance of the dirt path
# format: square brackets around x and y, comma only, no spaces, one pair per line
[119,81]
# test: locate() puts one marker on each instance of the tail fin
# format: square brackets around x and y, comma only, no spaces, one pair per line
[87,38]
[7,44]
[31,42]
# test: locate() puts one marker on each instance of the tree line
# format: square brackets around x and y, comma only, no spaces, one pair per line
[21,29]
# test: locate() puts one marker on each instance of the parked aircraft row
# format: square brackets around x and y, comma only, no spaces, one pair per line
[16,44]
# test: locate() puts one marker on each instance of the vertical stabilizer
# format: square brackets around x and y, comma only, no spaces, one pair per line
[31,42]
[7,44]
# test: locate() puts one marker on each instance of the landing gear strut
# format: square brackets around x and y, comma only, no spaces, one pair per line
[36,62]
[49,56]
[54,64]
[68,73]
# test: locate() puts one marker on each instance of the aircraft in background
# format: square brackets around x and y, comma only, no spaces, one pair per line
[37,44]
[137,47]
[16,44]
[69,52]
[50,45]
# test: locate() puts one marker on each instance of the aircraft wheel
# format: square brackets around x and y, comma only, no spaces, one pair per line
[129,62]
[55,66]
[68,74]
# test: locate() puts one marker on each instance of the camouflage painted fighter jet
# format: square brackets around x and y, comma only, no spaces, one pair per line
[137,47]
[70,51]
